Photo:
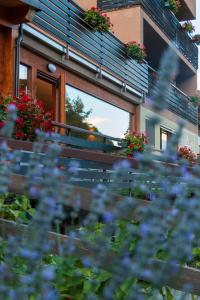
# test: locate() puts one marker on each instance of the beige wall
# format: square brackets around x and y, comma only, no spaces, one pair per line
[127,24]
[86,4]
[191,4]
[190,132]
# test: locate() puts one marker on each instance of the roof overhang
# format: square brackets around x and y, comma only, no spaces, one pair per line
[18,11]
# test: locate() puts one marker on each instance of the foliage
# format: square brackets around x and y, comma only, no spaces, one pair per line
[134,142]
[16,207]
[188,27]
[31,116]
[78,117]
[173,5]
[186,153]
[98,20]
[136,51]
[196,39]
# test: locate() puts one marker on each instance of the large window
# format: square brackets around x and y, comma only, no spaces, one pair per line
[88,112]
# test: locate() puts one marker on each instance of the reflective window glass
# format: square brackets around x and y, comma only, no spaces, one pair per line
[88,112]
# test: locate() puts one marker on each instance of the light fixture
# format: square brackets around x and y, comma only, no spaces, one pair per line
[51,68]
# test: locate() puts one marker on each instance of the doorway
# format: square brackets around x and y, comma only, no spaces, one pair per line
[46,90]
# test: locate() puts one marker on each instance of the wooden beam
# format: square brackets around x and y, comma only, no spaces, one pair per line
[9,60]
[17,185]
[180,280]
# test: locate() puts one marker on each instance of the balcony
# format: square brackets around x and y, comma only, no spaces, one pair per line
[187,10]
[177,101]
[165,19]
[107,54]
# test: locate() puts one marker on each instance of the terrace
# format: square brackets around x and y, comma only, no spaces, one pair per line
[165,20]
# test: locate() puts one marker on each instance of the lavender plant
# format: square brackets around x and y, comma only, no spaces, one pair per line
[121,249]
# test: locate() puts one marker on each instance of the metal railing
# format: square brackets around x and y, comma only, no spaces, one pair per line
[64,20]
[165,19]
[177,100]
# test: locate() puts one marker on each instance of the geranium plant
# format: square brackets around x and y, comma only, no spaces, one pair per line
[196,39]
[173,5]
[188,27]
[134,142]
[98,20]
[31,116]
[186,153]
[136,51]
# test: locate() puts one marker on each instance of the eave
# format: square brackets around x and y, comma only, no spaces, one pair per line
[18,11]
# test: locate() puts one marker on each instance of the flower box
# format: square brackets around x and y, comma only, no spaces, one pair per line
[99,21]
[135,143]
[136,51]
[196,39]
[188,27]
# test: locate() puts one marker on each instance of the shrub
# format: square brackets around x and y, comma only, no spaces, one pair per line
[136,51]
[173,5]
[31,116]
[98,20]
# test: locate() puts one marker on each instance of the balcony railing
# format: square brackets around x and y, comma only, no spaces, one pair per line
[165,19]
[64,20]
[177,101]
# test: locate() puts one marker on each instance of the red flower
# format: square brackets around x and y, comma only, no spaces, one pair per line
[19,135]
[20,122]
[1,124]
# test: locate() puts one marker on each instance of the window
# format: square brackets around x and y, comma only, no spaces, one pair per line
[150,131]
[23,78]
[164,138]
[88,112]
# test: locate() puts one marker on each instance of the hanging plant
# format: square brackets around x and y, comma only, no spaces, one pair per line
[188,27]
[98,20]
[173,5]
[196,39]
[136,51]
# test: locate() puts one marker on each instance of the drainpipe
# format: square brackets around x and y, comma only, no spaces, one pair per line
[17,59]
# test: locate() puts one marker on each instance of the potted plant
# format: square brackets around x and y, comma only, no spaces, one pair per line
[31,116]
[173,5]
[134,142]
[136,51]
[188,27]
[196,39]
[98,20]
[186,153]
[195,100]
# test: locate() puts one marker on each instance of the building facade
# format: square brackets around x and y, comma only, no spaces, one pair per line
[51,53]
